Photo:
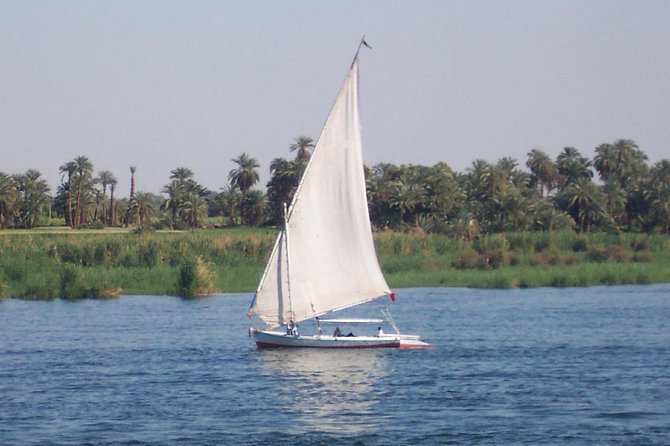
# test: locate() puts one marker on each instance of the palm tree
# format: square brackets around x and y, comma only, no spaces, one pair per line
[615,200]
[406,196]
[658,195]
[543,169]
[443,194]
[231,202]
[572,166]
[622,160]
[8,197]
[303,145]
[174,191]
[112,209]
[133,169]
[181,174]
[584,203]
[33,194]
[193,208]
[181,198]
[245,176]
[105,178]
[68,169]
[282,185]
[631,160]
[605,161]
[547,218]
[82,176]
[253,207]
[141,208]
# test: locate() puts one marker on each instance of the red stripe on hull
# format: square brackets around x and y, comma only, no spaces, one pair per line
[423,345]
[386,345]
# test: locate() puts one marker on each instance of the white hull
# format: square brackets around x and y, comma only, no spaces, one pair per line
[272,339]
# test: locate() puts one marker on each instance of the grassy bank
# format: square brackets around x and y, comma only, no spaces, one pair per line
[99,264]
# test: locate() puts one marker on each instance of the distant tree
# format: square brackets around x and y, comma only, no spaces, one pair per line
[8,198]
[230,200]
[186,200]
[547,218]
[112,207]
[622,161]
[175,191]
[193,208]
[181,174]
[614,201]
[584,202]
[141,208]
[245,176]
[105,178]
[282,185]
[252,208]
[133,169]
[33,195]
[83,181]
[303,145]
[572,166]
[68,169]
[658,196]
[406,197]
[544,170]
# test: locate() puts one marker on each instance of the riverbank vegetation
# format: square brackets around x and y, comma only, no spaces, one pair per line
[97,264]
[547,223]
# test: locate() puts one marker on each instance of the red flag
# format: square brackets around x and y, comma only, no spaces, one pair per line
[392,296]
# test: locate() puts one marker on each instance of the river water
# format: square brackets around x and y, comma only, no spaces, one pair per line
[541,366]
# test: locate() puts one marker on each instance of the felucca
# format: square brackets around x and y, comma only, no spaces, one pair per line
[324,258]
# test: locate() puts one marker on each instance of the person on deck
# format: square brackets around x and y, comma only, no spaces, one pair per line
[380,332]
[337,332]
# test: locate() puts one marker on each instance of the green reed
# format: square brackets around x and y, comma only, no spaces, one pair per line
[100,264]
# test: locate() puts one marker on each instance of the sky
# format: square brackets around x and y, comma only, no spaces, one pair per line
[165,84]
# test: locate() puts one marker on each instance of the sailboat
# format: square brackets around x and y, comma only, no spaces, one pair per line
[324,259]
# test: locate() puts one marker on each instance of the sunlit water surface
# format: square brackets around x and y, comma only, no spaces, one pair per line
[544,366]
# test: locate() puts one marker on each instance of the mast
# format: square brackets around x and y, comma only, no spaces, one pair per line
[288,269]
[360,45]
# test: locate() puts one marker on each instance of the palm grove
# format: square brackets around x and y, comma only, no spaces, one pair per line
[629,194]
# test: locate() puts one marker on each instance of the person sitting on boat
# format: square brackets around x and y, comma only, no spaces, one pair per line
[380,332]
[291,329]
[337,332]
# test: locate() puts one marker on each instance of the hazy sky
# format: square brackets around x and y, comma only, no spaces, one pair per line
[167,84]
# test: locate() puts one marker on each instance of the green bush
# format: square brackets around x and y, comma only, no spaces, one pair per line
[550,256]
[581,244]
[616,253]
[520,241]
[70,283]
[640,243]
[597,253]
[467,259]
[148,254]
[195,278]
[542,242]
[515,257]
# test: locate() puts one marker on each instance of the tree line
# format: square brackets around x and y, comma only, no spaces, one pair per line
[545,194]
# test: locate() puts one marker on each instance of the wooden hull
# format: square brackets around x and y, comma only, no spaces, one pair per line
[272,339]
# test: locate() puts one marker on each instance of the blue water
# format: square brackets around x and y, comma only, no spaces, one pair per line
[547,366]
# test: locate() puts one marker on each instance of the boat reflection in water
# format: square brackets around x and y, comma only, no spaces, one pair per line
[331,391]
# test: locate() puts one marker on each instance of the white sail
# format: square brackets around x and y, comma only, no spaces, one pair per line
[331,254]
